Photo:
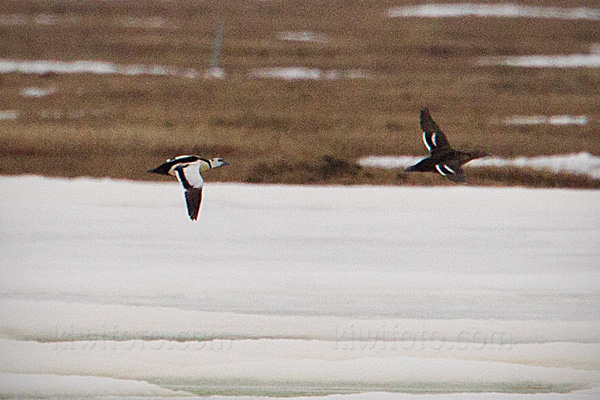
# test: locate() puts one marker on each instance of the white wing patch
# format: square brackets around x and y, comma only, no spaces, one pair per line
[192,174]
[426,141]
[189,175]
[445,169]
[435,135]
[439,169]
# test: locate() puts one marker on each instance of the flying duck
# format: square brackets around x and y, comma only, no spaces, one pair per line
[443,158]
[188,171]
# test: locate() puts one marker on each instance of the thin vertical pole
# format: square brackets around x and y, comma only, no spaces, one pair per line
[214,62]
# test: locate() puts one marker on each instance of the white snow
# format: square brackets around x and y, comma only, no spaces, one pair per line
[13,19]
[502,10]
[61,386]
[37,92]
[108,68]
[389,162]
[58,114]
[286,73]
[580,163]
[54,114]
[46,19]
[9,115]
[560,120]
[108,289]
[351,74]
[584,395]
[215,73]
[141,22]
[8,66]
[542,61]
[303,36]
[577,163]
[303,73]
[37,19]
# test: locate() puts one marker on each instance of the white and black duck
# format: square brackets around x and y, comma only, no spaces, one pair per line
[188,170]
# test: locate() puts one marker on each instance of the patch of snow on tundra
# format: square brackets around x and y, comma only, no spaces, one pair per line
[503,10]
[311,74]
[303,36]
[41,67]
[9,115]
[579,163]
[545,61]
[559,120]
[141,22]
[37,92]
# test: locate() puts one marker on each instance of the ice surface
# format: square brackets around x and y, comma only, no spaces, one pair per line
[502,10]
[61,386]
[579,163]
[108,289]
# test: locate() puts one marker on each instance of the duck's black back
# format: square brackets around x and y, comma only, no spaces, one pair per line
[164,169]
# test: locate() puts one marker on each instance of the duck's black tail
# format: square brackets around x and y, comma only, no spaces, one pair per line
[425,165]
[161,169]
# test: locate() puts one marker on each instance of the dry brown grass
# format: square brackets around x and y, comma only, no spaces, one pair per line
[274,131]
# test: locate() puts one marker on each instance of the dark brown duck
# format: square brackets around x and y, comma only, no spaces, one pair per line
[442,159]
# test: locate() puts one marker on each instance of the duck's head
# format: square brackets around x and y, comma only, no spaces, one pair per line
[217,162]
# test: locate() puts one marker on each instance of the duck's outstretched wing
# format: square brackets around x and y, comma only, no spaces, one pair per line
[193,198]
[192,182]
[434,139]
[452,171]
